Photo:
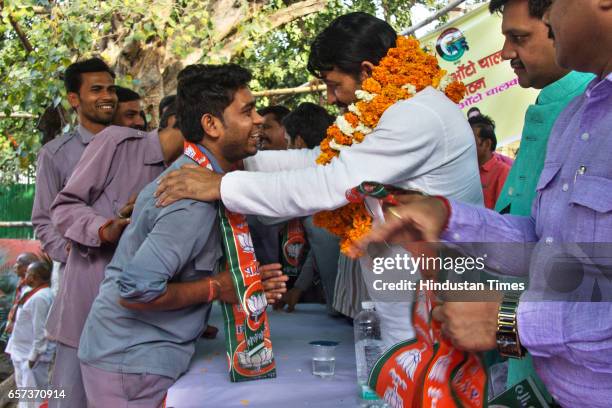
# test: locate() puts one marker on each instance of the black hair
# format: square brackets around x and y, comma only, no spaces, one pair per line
[278,111]
[348,41]
[42,269]
[206,89]
[126,94]
[72,75]
[165,102]
[170,110]
[537,8]
[486,127]
[310,122]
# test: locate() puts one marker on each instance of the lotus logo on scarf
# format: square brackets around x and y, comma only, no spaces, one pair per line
[254,362]
[409,361]
[439,369]
[255,307]
[246,242]
[257,304]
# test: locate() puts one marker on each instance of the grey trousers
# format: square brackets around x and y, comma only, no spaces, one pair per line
[66,376]
[120,390]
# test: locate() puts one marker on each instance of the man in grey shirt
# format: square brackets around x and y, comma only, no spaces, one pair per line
[140,334]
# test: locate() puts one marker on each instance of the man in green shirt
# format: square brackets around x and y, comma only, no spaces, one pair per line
[531,53]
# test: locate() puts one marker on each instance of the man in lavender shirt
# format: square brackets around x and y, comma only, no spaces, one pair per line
[90,213]
[571,340]
[90,88]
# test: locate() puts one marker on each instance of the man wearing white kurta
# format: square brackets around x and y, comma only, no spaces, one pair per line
[423,143]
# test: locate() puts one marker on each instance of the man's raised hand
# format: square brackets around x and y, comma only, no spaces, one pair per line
[419,220]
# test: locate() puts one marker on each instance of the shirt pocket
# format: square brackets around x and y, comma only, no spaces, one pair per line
[592,199]
[205,263]
[545,201]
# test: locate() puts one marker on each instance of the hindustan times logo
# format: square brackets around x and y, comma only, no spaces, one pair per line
[413,263]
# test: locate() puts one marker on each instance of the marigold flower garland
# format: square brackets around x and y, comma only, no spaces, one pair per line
[404,71]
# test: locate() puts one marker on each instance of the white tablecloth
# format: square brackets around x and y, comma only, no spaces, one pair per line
[207,383]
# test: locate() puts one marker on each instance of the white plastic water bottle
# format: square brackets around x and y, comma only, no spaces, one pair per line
[368,348]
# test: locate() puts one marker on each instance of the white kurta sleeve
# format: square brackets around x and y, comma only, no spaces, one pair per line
[279,160]
[39,308]
[408,142]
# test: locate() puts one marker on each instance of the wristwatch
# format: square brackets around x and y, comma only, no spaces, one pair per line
[508,342]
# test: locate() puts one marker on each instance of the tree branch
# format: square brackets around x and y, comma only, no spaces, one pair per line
[22,37]
[436,16]
[295,11]
[276,20]
[290,91]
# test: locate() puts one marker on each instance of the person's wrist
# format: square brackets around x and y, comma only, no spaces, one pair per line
[507,335]
[213,290]
[448,210]
[101,232]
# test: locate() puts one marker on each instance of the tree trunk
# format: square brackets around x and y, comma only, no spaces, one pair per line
[155,68]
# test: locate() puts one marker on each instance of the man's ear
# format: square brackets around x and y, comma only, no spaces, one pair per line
[366,70]
[73,99]
[300,143]
[211,125]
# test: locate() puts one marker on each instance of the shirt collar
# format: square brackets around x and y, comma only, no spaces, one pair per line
[598,84]
[559,89]
[153,152]
[490,164]
[86,135]
[213,160]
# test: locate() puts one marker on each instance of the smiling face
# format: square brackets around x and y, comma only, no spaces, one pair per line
[96,100]
[241,127]
[527,45]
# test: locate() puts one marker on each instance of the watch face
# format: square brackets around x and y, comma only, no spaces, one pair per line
[505,342]
[508,345]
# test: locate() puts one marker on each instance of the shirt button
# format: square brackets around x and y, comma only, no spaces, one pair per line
[549,240]
[585,136]
[456,236]
[510,191]
[565,187]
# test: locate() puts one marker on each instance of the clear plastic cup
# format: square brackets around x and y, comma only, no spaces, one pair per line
[323,358]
